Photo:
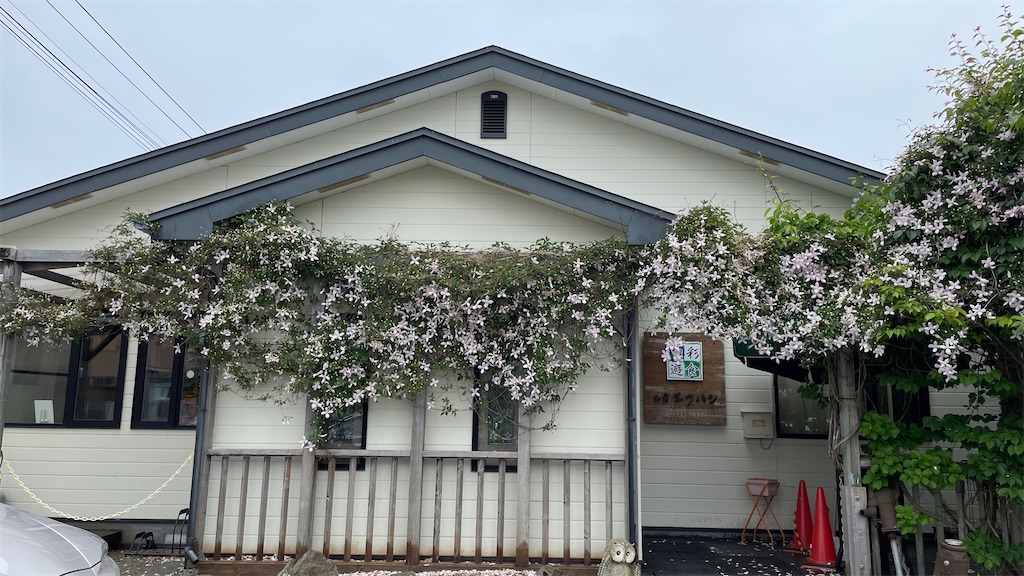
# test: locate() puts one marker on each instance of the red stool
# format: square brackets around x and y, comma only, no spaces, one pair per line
[762,491]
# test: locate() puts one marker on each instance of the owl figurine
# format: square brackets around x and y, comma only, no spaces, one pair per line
[619,559]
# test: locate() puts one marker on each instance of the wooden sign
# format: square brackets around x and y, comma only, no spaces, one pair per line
[688,388]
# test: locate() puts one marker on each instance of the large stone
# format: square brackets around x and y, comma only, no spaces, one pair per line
[312,563]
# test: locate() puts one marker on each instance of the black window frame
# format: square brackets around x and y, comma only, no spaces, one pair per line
[342,463]
[779,432]
[73,382]
[480,429]
[174,393]
[902,406]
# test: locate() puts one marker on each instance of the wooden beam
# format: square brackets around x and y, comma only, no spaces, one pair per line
[11,280]
[52,276]
[54,257]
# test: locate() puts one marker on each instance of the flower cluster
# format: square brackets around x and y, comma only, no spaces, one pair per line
[283,311]
[793,292]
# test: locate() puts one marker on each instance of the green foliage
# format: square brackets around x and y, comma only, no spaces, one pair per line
[282,311]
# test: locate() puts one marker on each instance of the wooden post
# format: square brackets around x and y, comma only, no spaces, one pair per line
[11,281]
[523,489]
[419,429]
[855,526]
[307,489]
[307,469]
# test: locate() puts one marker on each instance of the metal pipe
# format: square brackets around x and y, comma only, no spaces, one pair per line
[199,455]
[632,458]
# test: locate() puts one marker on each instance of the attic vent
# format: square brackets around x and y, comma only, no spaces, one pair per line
[71,201]
[343,183]
[224,153]
[375,106]
[604,106]
[503,185]
[493,114]
[759,157]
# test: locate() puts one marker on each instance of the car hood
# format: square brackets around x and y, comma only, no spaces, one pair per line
[32,544]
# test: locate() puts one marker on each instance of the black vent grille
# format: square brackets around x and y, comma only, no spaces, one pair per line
[493,114]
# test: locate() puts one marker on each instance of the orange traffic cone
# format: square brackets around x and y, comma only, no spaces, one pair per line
[802,527]
[823,549]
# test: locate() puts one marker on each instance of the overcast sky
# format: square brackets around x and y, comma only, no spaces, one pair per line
[846,79]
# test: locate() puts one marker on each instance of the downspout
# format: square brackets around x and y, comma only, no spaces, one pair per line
[632,451]
[199,466]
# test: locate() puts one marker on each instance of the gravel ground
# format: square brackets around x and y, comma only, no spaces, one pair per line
[135,565]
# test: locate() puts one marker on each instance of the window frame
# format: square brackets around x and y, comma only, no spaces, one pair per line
[174,394]
[479,444]
[342,463]
[779,433]
[73,383]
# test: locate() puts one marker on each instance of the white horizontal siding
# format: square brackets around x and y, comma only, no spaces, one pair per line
[433,205]
[695,476]
[98,472]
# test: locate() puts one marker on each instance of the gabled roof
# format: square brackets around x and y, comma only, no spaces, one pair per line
[643,224]
[493,62]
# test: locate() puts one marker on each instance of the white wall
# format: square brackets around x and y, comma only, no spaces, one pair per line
[97,472]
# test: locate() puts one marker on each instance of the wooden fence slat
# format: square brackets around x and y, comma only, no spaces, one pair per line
[392,505]
[371,501]
[221,502]
[480,464]
[586,513]
[350,508]
[286,484]
[436,539]
[242,496]
[329,504]
[499,551]
[545,523]
[265,487]
[460,478]
[608,526]
[566,494]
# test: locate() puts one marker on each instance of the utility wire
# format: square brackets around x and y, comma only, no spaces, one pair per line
[137,122]
[137,64]
[40,51]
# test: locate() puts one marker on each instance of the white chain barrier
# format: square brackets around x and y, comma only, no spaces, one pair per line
[96,518]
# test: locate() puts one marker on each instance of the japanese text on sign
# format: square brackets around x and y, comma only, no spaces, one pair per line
[686,362]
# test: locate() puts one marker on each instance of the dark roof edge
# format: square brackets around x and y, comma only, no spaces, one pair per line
[420,78]
[193,219]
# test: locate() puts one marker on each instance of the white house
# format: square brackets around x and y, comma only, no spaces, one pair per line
[484,147]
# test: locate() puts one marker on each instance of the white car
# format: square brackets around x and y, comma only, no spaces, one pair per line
[33,545]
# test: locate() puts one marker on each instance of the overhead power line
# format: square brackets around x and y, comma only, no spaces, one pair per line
[171,98]
[74,80]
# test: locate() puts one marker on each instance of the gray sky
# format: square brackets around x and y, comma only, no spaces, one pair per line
[846,79]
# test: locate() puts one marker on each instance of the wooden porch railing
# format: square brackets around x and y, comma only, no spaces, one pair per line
[356,505]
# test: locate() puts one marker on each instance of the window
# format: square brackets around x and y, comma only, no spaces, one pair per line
[345,429]
[166,386]
[493,114]
[495,425]
[495,420]
[74,384]
[797,417]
